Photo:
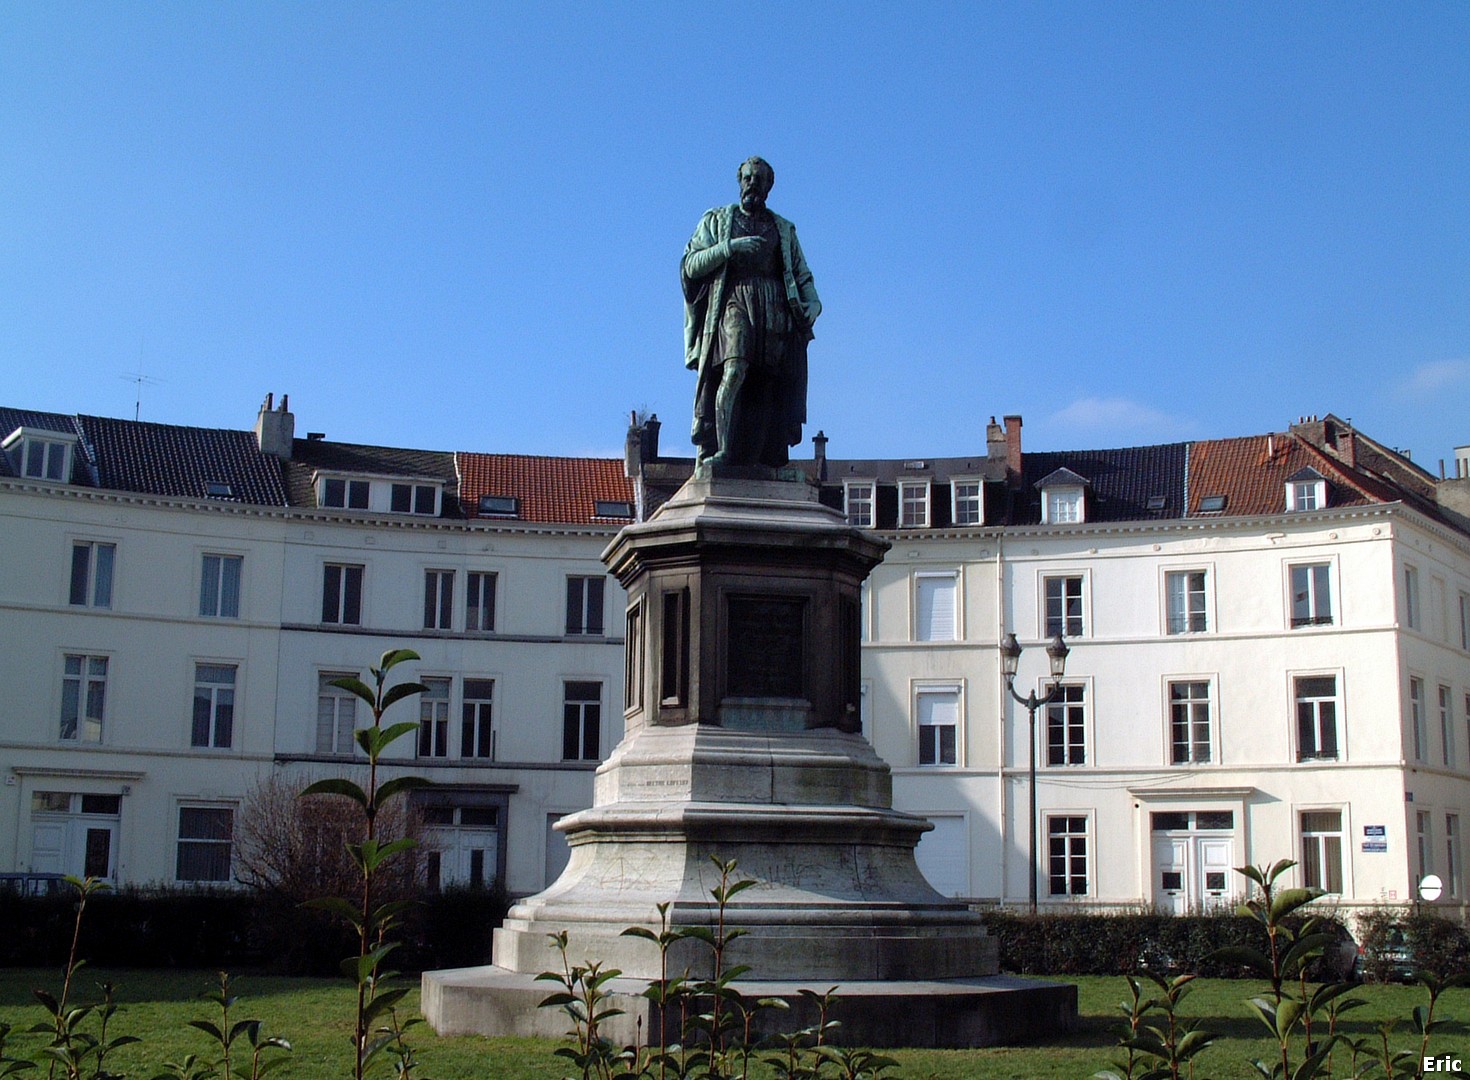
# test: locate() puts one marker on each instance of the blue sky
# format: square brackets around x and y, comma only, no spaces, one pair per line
[458,226]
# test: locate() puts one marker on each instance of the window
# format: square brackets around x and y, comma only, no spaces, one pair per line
[1066,729]
[351,494]
[1061,506]
[581,737]
[475,736]
[413,499]
[342,594]
[219,586]
[934,607]
[1063,606]
[969,504]
[584,605]
[205,835]
[434,719]
[673,683]
[1322,850]
[499,506]
[1212,504]
[1311,595]
[1416,717]
[1446,727]
[1411,598]
[1189,722]
[1066,855]
[83,695]
[438,599]
[913,504]
[633,658]
[479,603]
[859,498]
[91,574]
[1424,830]
[39,458]
[218,489]
[336,715]
[612,508]
[1465,621]
[939,721]
[214,706]
[1316,718]
[1452,856]
[1184,593]
[1305,495]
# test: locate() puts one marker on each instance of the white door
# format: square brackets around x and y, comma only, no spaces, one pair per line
[943,854]
[461,857]
[1216,859]
[1171,874]
[81,846]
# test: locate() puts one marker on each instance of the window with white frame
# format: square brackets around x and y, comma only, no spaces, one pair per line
[858,497]
[584,605]
[1184,599]
[91,573]
[206,837]
[969,502]
[40,456]
[336,714]
[213,722]
[1453,857]
[438,599]
[1311,594]
[1066,854]
[1322,850]
[1061,506]
[219,586]
[1465,621]
[475,735]
[936,606]
[434,718]
[83,697]
[1424,834]
[581,735]
[1410,599]
[1446,727]
[1190,733]
[479,602]
[1417,722]
[938,709]
[342,594]
[1306,490]
[413,499]
[1316,717]
[336,491]
[1063,605]
[913,504]
[1066,726]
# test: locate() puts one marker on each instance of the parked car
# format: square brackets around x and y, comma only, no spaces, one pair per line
[1395,961]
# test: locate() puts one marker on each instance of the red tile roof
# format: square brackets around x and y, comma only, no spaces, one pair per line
[550,490]
[1251,473]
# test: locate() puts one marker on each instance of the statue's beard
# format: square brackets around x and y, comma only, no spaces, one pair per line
[751,201]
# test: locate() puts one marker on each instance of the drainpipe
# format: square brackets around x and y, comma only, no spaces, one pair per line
[1001,703]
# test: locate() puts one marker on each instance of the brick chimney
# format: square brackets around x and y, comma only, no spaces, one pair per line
[275,428]
[1013,448]
[819,454]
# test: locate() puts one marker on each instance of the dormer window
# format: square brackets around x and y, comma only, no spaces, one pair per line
[40,454]
[500,506]
[969,501]
[1306,489]
[1062,500]
[857,497]
[414,499]
[913,502]
[346,494]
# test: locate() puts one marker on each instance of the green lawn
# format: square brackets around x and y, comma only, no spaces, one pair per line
[315,1015]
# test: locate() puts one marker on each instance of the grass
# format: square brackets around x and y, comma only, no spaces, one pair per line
[316,1016]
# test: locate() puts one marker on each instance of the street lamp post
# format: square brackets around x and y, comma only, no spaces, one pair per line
[1010,660]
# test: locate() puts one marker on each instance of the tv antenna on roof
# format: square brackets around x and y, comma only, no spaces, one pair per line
[139,381]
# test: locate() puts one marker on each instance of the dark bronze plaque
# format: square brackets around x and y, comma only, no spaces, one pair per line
[766,646]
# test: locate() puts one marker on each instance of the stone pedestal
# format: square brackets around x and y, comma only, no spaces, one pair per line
[743,743]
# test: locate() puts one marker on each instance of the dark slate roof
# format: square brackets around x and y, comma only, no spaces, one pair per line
[1062,478]
[892,470]
[549,490]
[309,456]
[1122,481]
[10,419]
[164,459]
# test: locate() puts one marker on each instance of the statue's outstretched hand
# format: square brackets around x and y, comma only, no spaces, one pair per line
[747,246]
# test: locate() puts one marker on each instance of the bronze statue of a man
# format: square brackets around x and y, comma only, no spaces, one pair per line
[749,305]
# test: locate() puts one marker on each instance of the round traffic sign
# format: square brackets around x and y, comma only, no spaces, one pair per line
[1430,887]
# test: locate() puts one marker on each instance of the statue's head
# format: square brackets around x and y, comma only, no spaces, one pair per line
[756,180]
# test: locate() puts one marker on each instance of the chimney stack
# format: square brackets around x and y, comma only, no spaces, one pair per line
[1013,448]
[819,454]
[275,428]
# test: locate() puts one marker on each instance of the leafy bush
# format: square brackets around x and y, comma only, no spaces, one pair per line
[1117,943]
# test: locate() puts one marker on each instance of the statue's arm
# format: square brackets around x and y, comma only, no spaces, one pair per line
[706,252]
[806,288]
